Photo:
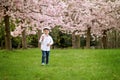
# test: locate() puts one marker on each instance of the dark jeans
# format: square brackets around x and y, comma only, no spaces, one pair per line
[45,56]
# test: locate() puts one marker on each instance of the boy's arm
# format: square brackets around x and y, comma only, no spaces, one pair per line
[51,41]
[41,39]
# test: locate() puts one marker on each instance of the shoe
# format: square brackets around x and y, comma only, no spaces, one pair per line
[43,64]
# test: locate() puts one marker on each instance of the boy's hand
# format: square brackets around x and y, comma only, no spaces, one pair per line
[48,44]
[42,38]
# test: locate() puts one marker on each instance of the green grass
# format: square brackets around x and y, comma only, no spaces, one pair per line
[66,64]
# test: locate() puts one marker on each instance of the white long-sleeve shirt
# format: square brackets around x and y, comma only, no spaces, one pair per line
[44,43]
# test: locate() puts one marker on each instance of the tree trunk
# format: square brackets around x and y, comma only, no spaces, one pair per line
[75,40]
[19,44]
[24,44]
[39,34]
[116,45]
[8,45]
[110,39]
[99,45]
[88,38]
[104,39]
[118,41]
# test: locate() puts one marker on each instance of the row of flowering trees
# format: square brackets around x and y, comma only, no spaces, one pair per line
[92,16]
[29,16]
[74,16]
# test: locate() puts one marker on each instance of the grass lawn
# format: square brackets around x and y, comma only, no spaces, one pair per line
[66,64]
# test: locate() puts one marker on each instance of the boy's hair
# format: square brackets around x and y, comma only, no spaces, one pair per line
[46,29]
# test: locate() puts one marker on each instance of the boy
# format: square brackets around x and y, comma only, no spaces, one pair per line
[46,41]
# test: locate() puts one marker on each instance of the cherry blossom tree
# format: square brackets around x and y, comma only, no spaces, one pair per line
[12,10]
[88,16]
[35,14]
